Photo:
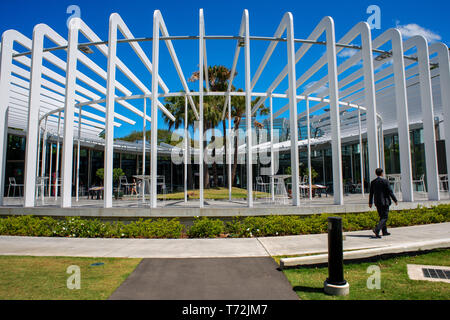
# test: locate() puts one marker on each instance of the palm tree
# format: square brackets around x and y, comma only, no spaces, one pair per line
[218,77]
[237,113]
[212,111]
[176,105]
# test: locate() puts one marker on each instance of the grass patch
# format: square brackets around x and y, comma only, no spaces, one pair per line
[395,284]
[213,193]
[45,278]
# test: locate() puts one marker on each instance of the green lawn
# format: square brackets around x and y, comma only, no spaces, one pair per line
[395,284]
[45,278]
[213,193]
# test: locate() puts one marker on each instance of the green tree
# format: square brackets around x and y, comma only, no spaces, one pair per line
[238,113]
[218,77]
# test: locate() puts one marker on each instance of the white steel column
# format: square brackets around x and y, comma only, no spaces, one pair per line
[248,111]
[381,144]
[44,154]
[3,149]
[272,168]
[5,76]
[50,171]
[361,153]
[428,117]
[186,147]
[292,94]
[402,116]
[38,150]
[154,111]
[334,113]
[309,149]
[370,100]
[33,117]
[77,187]
[109,117]
[229,145]
[444,77]
[57,157]
[67,156]
[200,138]
[144,123]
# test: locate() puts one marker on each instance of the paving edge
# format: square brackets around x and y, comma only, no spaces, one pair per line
[191,212]
[367,253]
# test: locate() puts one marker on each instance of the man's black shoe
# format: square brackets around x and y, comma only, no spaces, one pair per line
[386,234]
[376,234]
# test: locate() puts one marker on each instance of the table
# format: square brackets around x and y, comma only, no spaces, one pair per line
[280,187]
[145,182]
[40,185]
[95,190]
[443,182]
[315,187]
[395,179]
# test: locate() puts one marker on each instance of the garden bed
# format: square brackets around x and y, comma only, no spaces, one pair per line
[204,227]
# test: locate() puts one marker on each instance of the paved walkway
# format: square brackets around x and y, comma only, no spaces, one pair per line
[133,209]
[206,279]
[214,248]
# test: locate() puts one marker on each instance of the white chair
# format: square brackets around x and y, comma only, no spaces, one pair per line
[40,186]
[396,180]
[12,183]
[123,182]
[56,184]
[261,186]
[421,181]
[281,194]
[161,182]
[304,186]
[443,182]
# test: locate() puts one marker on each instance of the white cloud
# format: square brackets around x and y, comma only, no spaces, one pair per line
[384,65]
[346,53]
[319,90]
[412,29]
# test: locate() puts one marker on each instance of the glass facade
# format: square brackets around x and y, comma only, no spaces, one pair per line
[91,159]
[15,158]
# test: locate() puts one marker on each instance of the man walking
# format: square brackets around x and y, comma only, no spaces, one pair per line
[381,194]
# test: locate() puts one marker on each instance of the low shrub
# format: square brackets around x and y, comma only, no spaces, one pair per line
[273,225]
[206,228]
[278,225]
[88,228]
[159,228]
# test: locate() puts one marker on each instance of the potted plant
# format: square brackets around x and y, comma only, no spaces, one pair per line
[100,174]
[117,173]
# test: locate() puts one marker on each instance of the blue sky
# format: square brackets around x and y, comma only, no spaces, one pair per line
[429,18]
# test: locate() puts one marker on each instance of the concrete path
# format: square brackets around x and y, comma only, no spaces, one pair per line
[214,248]
[206,279]
[133,209]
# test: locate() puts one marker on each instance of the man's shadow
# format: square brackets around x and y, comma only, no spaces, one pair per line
[361,236]
[308,289]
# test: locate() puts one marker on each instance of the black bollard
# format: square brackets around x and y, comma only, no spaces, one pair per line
[335,283]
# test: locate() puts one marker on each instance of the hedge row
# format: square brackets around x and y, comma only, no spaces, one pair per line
[274,225]
[87,228]
[293,225]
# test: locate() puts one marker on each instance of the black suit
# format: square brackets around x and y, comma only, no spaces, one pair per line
[381,194]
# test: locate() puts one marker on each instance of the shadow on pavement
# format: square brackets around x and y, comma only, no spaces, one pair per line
[308,289]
